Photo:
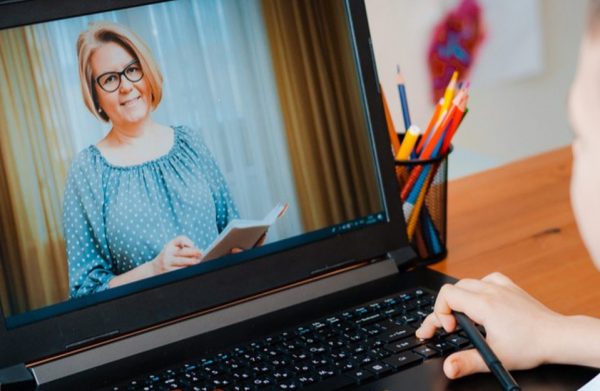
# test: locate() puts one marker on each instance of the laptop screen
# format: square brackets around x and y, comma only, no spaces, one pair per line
[133,137]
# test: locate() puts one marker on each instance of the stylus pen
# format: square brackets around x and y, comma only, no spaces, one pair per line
[507,382]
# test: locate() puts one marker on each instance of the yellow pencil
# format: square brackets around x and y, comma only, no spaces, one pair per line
[413,218]
[408,143]
[449,93]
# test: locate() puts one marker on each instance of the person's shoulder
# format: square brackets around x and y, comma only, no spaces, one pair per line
[190,136]
[85,165]
[187,132]
[85,158]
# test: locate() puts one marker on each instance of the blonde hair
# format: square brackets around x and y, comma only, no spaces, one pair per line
[100,33]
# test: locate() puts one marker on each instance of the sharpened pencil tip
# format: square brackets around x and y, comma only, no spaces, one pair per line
[399,77]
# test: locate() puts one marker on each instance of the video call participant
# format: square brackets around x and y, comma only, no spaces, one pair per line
[146,197]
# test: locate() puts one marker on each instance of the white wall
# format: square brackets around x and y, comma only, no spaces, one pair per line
[507,120]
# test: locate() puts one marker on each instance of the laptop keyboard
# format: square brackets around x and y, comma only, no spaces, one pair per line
[349,348]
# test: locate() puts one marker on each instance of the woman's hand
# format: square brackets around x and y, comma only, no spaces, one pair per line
[176,254]
[519,329]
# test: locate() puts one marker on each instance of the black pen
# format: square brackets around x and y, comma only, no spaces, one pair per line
[507,382]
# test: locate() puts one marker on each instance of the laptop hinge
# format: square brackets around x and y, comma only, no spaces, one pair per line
[16,377]
[404,257]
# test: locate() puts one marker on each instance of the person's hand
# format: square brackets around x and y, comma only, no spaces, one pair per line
[519,329]
[178,253]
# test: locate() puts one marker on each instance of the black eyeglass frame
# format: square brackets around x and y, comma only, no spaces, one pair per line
[119,75]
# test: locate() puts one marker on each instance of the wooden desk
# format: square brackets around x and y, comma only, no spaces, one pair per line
[517,219]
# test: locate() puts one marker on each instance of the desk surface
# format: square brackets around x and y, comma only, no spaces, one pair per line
[517,219]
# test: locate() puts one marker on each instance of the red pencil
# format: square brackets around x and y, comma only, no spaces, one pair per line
[462,106]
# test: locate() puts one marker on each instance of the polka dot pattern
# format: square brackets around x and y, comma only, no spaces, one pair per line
[116,218]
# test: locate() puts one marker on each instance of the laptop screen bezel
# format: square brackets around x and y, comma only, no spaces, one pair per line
[122,315]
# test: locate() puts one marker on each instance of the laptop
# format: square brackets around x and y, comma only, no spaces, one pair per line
[285,97]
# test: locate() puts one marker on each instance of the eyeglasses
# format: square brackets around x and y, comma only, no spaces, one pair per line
[111,81]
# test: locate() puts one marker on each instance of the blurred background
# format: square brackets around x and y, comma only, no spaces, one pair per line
[520,71]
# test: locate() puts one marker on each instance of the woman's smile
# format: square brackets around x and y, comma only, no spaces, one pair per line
[131,101]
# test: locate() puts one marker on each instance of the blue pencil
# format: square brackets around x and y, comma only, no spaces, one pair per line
[403,99]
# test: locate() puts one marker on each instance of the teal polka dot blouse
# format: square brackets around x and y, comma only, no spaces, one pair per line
[116,218]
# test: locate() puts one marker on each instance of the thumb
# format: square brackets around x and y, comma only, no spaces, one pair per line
[464,363]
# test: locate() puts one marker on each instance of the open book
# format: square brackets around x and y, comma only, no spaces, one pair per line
[243,234]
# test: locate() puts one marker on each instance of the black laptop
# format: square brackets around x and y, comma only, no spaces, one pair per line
[285,95]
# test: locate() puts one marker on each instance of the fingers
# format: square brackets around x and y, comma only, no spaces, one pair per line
[454,298]
[179,262]
[433,322]
[188,252]
[430,324]
[182,241]
[464,363]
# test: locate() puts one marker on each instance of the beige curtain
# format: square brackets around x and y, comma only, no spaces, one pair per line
[322,110]
[34,151]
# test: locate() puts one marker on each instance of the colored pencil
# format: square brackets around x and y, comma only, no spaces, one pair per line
[390,124]
[403,100]
[449,92]
[432,122]
[410,139]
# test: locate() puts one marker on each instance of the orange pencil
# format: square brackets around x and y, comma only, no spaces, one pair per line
[430,126]
[439,132]
[390,124]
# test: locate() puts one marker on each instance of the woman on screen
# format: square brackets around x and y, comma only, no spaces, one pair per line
[146,197]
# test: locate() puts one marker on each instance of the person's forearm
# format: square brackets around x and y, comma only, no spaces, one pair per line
[577,342]
[145,270]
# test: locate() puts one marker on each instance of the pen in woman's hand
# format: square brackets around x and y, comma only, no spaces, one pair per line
[489,357]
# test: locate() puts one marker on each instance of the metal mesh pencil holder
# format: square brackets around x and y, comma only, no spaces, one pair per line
[424,192]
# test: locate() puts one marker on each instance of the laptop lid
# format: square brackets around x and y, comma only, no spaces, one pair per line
[272,101]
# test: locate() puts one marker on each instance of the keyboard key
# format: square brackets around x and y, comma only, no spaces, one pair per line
[402,360]
[458,341]
[372,318]
[306,379]
[332,383]
[262,381]
[442,347]
[404,344]
[371,330]
[244,387]
[345,366]
[410,317]
[399,333]
[392,312]
[426,352]
[404,297]
[378,368]
[288,385]
[360,375]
